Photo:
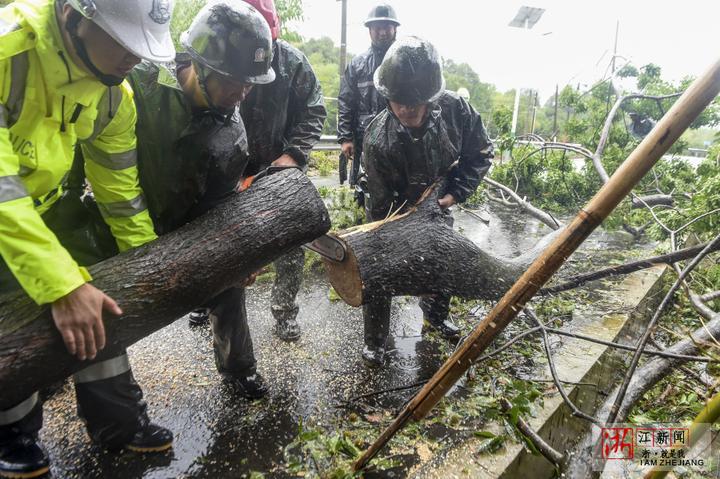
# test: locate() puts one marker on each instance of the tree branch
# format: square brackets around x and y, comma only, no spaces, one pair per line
[533,211]
[643,341]
[545,449]
[626,268]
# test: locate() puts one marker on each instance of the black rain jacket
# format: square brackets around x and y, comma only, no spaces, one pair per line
[358,100]
[400,164]
[287,115]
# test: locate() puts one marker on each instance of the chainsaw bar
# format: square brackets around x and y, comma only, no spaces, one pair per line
[328,247]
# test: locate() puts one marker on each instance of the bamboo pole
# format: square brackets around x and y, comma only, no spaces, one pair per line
[687,108]
[707,417]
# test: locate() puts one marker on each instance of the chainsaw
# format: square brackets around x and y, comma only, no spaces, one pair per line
[326,246]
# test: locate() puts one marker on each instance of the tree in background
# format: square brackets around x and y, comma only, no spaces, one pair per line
[185,11]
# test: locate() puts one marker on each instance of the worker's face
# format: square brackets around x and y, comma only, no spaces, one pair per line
[224,92]
[382,33]
[410,116]
[106,54]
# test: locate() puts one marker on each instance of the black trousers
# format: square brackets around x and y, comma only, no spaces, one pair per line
[376,314]
[232,343]
[109,401]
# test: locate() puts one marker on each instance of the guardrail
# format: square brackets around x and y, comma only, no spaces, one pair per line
[327,143]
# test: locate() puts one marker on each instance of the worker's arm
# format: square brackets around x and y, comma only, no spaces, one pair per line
[475,154]
[306,114]
[111,168]
[348,99]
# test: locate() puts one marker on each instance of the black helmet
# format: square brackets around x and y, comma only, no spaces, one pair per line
[382,13]
[411,72]
[233,39]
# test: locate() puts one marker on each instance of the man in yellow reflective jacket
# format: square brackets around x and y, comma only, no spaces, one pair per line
[62,69]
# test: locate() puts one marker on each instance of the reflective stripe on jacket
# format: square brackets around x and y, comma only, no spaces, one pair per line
[47,105]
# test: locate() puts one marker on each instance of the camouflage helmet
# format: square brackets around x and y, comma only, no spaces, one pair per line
[382,13]
[411,72]
[231,38]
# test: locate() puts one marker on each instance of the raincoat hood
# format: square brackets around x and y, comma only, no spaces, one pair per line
[267,10]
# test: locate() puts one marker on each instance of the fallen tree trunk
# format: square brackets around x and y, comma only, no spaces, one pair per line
[417,253]
[161,281]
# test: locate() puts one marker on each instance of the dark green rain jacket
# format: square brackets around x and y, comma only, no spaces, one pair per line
[189,160]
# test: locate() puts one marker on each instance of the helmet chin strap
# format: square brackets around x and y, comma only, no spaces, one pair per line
[202,73]
[71,27]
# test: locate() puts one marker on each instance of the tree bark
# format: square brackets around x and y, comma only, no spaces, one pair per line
[161,281]
[417,253]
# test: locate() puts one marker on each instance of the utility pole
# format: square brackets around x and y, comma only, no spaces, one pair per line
[612,66]
[557,102]
[525,19]
[534,112]
[617,30]
[343,37]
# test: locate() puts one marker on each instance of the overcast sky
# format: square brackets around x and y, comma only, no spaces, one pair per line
[572,43]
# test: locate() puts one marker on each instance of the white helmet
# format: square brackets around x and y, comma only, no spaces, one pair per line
[141,26]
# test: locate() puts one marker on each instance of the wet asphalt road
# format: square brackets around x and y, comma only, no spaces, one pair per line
[219,434]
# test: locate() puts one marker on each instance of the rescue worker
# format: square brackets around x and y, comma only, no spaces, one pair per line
[410,145]
[284,120]
[62,66]
[192,147]
[358,100]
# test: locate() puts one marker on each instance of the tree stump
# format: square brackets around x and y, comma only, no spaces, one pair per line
[163,280]
[417,253]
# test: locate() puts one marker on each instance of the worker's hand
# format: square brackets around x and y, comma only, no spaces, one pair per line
[250,280]
[446,201]
[78,317]
[348,149]
[285,160]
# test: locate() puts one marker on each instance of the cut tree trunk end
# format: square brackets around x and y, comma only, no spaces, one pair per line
[417,253]
[162,281]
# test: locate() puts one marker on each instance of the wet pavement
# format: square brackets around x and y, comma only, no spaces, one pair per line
[219,434]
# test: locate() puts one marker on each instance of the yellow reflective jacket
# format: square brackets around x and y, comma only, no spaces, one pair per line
[47,105]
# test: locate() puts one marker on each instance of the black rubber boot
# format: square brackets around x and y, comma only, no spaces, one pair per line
[152,438]
[374,355]
[23,458]
[435,313]
[199,317]
[446,328]
[20,454]
[250,387]
[286,325]
[376,316]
